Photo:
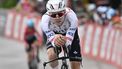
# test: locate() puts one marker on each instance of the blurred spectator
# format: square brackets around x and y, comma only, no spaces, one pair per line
[40,6]
[105,14]
[117,19]
[115,3]
[91,10]
[102,2]
[25,6]
[31,7]
[80,10]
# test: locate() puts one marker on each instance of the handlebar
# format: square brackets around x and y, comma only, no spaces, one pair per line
[62,58]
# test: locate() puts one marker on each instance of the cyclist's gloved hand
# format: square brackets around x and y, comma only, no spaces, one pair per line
[59,40]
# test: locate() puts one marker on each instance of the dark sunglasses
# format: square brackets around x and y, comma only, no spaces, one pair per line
[60,14]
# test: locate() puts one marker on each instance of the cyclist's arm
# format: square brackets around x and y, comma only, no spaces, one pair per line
[44,26]
[25,37]
[37,32]
[25,34]
[71,31]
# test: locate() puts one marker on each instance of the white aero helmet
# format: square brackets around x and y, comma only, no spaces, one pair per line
[55,5]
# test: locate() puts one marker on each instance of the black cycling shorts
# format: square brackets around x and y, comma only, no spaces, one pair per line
[75,50]
[30,40]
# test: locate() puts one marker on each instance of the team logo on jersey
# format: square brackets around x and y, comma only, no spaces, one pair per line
[59,29]
[75,52]
[49,35]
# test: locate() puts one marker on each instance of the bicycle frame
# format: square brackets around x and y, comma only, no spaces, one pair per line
[63,58]
[64,61]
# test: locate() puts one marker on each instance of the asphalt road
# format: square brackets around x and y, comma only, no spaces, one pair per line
[13,56]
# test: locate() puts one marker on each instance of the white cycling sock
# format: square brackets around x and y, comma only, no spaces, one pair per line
[56,67]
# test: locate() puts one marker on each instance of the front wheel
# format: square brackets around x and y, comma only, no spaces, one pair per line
[64,66]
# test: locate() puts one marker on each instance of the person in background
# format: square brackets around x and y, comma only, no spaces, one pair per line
[31,39]
[25,6]
[60,24]
[40,6]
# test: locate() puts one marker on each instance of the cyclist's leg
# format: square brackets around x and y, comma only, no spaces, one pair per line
[52,55]
[30,40]
[75,52]
[36,43]
[29,56]
[75,64]
[28,51]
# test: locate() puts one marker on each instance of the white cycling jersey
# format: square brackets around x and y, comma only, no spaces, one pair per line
[68,27]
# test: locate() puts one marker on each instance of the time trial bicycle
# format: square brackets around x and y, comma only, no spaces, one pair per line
[64,58]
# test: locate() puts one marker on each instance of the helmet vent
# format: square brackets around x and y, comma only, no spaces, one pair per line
[63,6]
[51,6]
[60,4]
[48,9]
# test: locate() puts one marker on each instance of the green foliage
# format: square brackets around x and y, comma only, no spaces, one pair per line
[8,4]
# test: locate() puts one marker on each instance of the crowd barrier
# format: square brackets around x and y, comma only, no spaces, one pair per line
[2,20]
[97,42]
[102,43]
[16,24]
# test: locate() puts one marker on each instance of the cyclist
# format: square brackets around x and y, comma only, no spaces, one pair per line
[60,24]
[30,38]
